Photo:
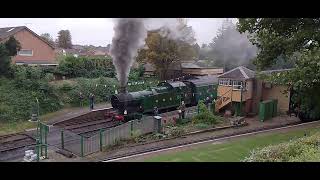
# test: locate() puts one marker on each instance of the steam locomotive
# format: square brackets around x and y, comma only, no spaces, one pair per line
[166,95]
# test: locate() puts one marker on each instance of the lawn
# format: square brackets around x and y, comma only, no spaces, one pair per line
[230,151]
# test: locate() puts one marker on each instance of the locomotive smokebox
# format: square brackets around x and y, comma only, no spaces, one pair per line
[123,89]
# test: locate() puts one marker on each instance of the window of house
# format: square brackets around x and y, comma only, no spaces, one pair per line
[25,52]
[225,82]
[237,85]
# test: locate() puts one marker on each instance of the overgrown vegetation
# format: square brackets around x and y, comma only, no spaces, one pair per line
[73,67]
[300,150]
[18,94]
[205,116]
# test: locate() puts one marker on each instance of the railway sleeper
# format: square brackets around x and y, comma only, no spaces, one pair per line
[86,124]
[14,138]
[94,128]
[13,147]
[77,121]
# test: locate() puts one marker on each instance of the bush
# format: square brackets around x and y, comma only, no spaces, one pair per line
[136,135]
[204,116]
[49,77]
[17,102]
[302,149]
[175,131]
[87,67]
[202,126]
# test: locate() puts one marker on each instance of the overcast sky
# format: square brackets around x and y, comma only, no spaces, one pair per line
[99,31]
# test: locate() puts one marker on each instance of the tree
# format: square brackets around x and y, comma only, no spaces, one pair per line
[197,48]
[64,39]
[230,48]
[167,45]
[280,36]
[161,52]
[8,49]
[47,37]
[295,40]
[13,46]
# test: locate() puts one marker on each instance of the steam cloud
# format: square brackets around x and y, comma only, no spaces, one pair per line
[130,35]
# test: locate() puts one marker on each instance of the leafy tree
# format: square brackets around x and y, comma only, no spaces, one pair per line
[280,36]
[4,60]
[47,37]
[197,48]
[161,52]
[64,39]
[166,46]
[295,40]
[8,49]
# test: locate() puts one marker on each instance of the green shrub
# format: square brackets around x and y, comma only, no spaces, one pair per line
[204,116]
[202,126]
[175,131]
[66,87]
[89,67]
[136,135]
[49,77]
[17,102]
[302,149]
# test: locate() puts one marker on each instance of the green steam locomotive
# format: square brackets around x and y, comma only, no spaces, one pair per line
[166,95]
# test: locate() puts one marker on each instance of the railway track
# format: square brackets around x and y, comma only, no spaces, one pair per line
[90,123]
[201,141]
[15,141]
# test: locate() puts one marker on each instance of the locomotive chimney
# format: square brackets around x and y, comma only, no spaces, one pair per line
[123,89]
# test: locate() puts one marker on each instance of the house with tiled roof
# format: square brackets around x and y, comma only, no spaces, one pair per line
[34,49]
[242,86]
[194,68]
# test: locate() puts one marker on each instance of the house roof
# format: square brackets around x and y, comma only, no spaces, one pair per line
[10,31]
[39,62]
[275,71]
[240,72]
[197,64]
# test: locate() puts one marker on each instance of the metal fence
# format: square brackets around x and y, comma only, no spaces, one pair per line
[84,146]
[71,142]
[109,137]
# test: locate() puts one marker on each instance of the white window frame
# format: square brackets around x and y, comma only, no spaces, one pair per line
[236,85]
[19,52]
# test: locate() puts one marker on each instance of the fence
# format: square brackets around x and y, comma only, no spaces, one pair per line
[72,142]
[83,146]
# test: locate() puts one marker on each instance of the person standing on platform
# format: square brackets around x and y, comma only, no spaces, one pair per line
[182,108]
[81,99]
[91,101]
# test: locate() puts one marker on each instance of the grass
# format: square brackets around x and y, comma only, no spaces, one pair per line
[230,151]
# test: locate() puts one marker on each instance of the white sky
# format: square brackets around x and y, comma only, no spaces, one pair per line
[99,31]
